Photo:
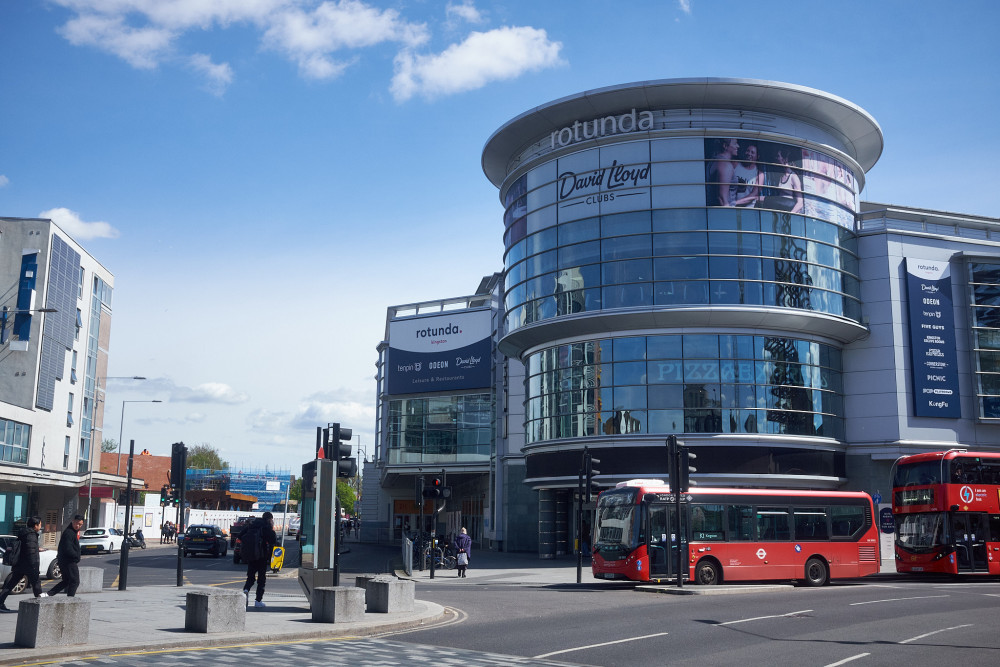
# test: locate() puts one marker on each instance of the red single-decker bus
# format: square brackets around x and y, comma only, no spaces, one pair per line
[734,534]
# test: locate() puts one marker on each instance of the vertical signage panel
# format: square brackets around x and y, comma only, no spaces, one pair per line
[933,357]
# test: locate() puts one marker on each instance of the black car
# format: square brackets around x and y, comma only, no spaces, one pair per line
[205,539]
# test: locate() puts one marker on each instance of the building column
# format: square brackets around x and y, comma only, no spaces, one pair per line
[546,523]
[562,522]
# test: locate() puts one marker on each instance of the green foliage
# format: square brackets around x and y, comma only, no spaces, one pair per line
[205,457]
[295,490]
[109,445]
[347,496]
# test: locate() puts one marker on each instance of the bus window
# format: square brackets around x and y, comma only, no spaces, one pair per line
[994,528]
[773,524]
[847,520]
[918,474]
[810,523]
[707,523]
[920,531]
[740,523]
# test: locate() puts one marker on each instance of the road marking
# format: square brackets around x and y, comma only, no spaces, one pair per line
[846,660]
[919,597]
[583,648]
[928,634]
[761,618]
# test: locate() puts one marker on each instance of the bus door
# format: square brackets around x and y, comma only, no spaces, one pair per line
[969,531]
[662,544]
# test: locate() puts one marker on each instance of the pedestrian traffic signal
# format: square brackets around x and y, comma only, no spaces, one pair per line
[338,450]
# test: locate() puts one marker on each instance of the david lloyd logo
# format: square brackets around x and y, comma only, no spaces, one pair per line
[467,362]
[615,176]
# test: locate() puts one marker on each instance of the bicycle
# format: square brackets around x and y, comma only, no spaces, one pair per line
[441,561]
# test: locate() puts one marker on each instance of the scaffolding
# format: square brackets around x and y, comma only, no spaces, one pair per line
[247,482]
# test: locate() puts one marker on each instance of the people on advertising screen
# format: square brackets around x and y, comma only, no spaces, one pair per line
[720,173]
[749,177]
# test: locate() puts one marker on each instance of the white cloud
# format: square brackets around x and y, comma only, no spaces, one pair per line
[4,181]
[166,390]
[72,224]
[310,38]
[483,57]
[344,407]
[142,48]
[217,77]
[465,11]
[685,6]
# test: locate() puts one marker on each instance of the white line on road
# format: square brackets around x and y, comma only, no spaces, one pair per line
[846,660]
[583,648]
[919,597]
[761,618]
[928,634]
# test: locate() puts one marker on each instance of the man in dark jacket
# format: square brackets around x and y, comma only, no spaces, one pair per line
[263,542]
[463,551]
[27,563]
[68,557]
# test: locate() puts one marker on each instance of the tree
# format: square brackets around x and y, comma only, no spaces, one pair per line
[346,495]
[205,457]
[295,490]
[109,445]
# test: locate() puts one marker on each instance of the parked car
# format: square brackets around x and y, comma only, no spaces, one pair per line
[235,530]
[294,525]
[96,540]
[205,539]
[48,566]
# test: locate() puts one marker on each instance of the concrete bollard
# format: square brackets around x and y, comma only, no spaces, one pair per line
[361,581]
[44,622]
[390,595]
[91,580]
[215,611]
[338,604]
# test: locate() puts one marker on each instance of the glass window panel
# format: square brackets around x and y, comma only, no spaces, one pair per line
[633,270]
[724,292]
[703,421]
[707,522]
[663,347]
[773,524]
[701,346]
[539,264]
[681,268]
[542,241]
[579,254]
[627,296]
[665,370]
[630,398]
[679,219]
[741,523]
[630,372]
[625,247]
[666,421]
[580,230]
[680,243]
[724,243]
[633,347]
[636,222]
[989,362]
[665,395]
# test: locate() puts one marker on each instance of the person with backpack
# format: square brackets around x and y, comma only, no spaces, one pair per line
[256,546]
[68,557]
[27,562]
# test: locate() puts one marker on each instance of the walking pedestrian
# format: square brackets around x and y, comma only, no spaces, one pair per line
[68,557]
[256,546]
[163,533]
[463,549]
[27,562]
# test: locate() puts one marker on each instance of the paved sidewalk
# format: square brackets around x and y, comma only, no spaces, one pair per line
[152,617]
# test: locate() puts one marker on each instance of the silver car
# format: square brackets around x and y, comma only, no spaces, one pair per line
[48,566]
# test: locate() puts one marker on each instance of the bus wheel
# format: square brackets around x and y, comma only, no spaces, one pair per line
[707,573]
[816,572]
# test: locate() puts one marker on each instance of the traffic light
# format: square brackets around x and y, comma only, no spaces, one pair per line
[178,462]
[339,451]
[164,495]
[435,489]
[589,471]
[684,469]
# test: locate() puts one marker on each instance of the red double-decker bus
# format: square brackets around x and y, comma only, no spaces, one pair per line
[947,511]
[733,534]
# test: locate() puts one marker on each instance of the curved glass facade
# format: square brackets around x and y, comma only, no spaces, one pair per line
[781,234]
[684,383]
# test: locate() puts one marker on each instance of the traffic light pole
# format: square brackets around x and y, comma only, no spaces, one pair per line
[123,557]
[579,528]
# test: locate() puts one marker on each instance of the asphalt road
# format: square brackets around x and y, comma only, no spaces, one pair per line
[884,622]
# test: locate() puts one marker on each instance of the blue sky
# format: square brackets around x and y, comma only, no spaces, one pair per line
[265,177]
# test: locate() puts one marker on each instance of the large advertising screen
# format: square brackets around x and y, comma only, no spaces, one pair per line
[745,173]
[439,353]
[933,354]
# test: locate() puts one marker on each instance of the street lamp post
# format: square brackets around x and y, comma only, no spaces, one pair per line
[6,312]
[121,427]
[93,429]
